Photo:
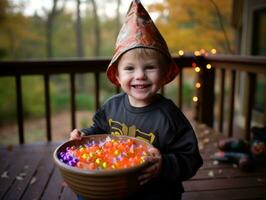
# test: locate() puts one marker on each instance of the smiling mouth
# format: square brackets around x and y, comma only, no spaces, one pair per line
[140,86]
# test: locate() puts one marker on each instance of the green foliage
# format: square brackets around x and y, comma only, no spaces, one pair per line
[85,101]
[7,100]
[33,97]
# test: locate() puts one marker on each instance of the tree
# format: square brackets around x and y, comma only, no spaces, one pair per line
[97,30]
[191,25]
[49,26]
[80,48]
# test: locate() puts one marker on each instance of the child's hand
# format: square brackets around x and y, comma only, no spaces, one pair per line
[155,160]
[75,135]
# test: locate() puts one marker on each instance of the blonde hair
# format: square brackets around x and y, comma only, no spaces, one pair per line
[150,53]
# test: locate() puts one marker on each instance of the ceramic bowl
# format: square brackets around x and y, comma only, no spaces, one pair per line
[99,184]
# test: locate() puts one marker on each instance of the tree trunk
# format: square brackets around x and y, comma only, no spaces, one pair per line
[118,25]
[80,48]
[49,29]
[97,30]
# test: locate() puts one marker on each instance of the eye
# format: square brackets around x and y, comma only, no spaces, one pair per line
[128,68]
[151,67]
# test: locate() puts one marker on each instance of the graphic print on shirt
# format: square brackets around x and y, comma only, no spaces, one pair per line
[118,128]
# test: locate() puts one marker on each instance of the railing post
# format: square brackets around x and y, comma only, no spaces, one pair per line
[19,109]
[180,91]
[232,103]
[250,101]
[221,102]
[206,94]
[72,100]
[47,107]
[97,90]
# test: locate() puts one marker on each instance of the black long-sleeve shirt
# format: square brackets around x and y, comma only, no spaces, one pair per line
[164,126]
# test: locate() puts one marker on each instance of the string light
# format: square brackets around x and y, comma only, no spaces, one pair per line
[213,51]
[202,51]
[195,99]
[208,66]
[181,52]
[197,69]
[197,85]
[196,53]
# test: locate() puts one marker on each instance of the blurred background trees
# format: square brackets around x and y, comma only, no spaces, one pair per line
[88,28]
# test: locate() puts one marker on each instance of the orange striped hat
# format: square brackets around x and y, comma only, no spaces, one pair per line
[139,31]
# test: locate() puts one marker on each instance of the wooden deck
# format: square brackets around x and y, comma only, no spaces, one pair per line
[28,172]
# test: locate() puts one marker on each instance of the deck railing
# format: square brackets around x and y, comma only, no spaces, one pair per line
[250,66]
[205,106]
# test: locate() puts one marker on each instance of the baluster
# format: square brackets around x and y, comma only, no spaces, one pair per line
[47,107]
[162,91]
[72,100]
[19,109]
[250,99]
[221,107]
[97,90]
[180,91]
[232,103]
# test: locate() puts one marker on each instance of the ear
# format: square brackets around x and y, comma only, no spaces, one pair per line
[117,76]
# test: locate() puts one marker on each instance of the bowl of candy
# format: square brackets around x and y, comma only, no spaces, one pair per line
[102,166]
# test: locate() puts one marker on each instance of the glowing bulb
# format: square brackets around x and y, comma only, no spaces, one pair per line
[196,53]
[195,99]
[197,69]
[213,51]
[181,52]
[208,66]
[202,51]
[197,85]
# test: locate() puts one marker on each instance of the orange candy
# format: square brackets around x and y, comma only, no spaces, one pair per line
[111,154]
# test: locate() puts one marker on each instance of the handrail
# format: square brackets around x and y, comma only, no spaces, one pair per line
[252,64]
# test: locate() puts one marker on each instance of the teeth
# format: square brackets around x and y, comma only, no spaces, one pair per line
[139,86]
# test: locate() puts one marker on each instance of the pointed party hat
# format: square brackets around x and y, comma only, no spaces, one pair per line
[139,31]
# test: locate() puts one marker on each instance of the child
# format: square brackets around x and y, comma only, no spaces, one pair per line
[141,65]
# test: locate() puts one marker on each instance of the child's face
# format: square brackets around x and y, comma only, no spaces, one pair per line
[141,75]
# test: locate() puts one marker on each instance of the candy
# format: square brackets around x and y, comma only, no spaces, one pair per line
[107,154]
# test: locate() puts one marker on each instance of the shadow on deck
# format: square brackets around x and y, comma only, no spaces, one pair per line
[28,172]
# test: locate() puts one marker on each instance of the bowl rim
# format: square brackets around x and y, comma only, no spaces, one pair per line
[107,172]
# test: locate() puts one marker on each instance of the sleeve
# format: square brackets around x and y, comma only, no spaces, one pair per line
[99,126]
[181,157]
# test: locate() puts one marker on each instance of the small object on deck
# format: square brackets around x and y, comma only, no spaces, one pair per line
[19,178]
[211,173]
[33,180]
[9,147]
[5,174]
[215,162]
[258,145]
[233,145]
[243,160]
[260,180]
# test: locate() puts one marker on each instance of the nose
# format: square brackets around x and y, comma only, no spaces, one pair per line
[140,74]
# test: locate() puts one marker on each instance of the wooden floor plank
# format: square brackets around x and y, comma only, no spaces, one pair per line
[40,179]
[68,194]
[31,161]
[54,187]
[227,183]
[230,194]
[229,172]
